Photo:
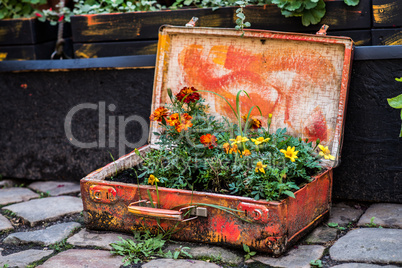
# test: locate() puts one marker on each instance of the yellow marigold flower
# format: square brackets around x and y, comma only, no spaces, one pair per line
[260,167]
[239,139]
[259,140]
[290,153]
[226,147]
[325,152]
[152,179]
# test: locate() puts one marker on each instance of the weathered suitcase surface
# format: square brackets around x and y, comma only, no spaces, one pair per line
[301,79]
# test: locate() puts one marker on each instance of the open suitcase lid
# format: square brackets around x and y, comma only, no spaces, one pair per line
[301,79]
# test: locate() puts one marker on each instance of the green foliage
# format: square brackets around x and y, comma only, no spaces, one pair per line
[372,224]
[316,263]
[178,252]
[113,6]
[226,164]
[61,246]
[55,16]
[14,9]
[144,247]
[6,265]
[43,194]
[240,21]
[249,253]
[396,103]
[336,225]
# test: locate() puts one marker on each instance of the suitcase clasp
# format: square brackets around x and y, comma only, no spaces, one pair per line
[256,212]
[103,193]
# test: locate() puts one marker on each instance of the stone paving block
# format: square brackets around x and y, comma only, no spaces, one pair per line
[7,183]
[43,209]
[362,265]
[55,188]
[214,253]
[299,257]
[16,195]
[322,235]
[51,235]
[170,263]
[85,238]
[385,215]
[23,258]
[79,258]
[342,214]
[371,245]
[5,224]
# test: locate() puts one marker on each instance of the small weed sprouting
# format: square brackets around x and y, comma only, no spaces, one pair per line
[181,251]
[336,225]
[144,247]
[372,224]
[316,263]
[9,213]
[249,253]
[43,194]
[61,246]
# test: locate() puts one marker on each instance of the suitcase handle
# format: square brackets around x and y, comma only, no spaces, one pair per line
[166,214]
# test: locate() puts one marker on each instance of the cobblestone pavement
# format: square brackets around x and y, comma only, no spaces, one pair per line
[41,225]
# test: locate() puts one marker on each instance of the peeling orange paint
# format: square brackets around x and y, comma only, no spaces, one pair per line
[386,13]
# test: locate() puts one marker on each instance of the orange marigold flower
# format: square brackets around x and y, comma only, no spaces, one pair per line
[234,149]
[246,152]
[158,114]
[184,125]
[208,140]
[180,124]
[173,119]
[226,147]
[186,116]
[189,94]
[254,122]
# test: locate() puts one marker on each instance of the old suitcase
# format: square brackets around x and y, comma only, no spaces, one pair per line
[302,79]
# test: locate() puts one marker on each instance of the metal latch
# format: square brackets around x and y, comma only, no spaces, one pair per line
[199,211]
[192,22]
[323,30]
[256,212]
[103,193]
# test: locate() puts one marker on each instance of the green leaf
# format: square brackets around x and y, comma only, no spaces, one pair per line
[241,16]
[289,193]
[351,2]
[246,248]
[314,15]
[332,224]
[395,102]
[398,79]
